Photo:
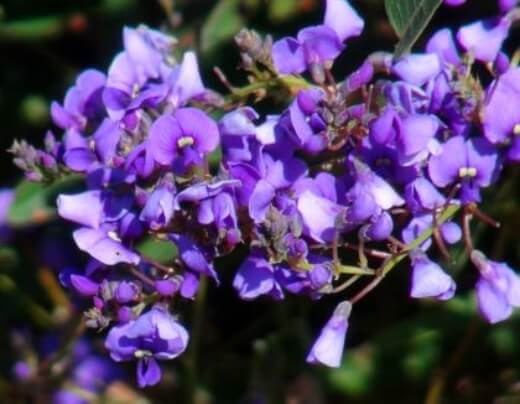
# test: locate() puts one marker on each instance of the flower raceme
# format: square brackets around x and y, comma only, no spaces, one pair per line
[392,161]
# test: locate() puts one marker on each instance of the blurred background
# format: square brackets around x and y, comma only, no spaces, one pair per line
[397,350]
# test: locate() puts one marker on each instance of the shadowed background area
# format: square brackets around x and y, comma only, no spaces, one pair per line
[397,350]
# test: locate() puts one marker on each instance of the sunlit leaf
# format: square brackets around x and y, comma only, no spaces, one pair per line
[34,203]
[162,251]
[409,19]
[223,22]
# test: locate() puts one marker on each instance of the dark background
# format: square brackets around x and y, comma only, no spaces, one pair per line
[397,350]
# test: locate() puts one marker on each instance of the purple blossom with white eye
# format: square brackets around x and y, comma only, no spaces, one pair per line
[318,45]
[328,347]
[429,280]
[498,288]
[473,163]
[262,180]
[155,335]
[183,139]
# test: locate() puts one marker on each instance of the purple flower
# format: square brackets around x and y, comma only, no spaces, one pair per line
[255,278]
[183,138]
[155,335]
[429,280]
[501,112]
[328,348]
[498,288]
[343,19]
[422,196]
[263,179]
[84,285]
[320,44]
[473,163]
[85,208]
[319,215]
[443,44]
[416,138]
[159,207]
[375,192]
[82,102]
[483,39]
[193,256]
[308,128]
[313,46]
[417,69]
[6,199]
[104,246]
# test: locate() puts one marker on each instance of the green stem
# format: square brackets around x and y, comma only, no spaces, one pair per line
[446,215]
[392,262]
[292,83]
[353,270]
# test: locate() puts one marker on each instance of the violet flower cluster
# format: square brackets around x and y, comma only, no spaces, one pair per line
[388,163]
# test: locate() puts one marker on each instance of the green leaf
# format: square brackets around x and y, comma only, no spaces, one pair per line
[409,19]
[34,203]
[223,22]
[33,28]
[29,205]
[162,251]
[282,10]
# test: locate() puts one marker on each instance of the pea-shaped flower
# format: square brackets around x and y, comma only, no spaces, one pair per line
[154,336]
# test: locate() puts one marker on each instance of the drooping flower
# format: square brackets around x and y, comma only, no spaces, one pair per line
[429,280]
[498,288]
[328,347]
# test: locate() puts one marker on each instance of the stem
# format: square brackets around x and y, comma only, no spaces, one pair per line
[434,394]
[345,284]
[446,215]
[369,251]
[292,83]
[352,270]
[196,333]
[466,231]
[139,275]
